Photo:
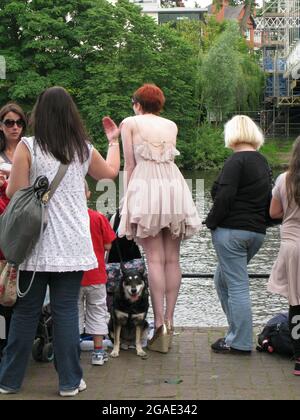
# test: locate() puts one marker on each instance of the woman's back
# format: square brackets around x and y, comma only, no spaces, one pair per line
[152,128]
[66,243]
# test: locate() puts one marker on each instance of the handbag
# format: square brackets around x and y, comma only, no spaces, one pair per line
[8,284]
[25,219]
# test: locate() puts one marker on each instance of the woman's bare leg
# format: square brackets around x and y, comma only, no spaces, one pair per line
[172,272]
[155,255]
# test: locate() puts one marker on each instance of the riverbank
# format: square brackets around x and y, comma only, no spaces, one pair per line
[190,371]
[278,152]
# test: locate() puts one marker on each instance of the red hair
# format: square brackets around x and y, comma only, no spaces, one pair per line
[150,97]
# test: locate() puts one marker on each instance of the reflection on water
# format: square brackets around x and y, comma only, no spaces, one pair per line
[198,304]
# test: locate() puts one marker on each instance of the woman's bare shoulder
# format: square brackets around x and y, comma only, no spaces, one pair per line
[127,121]
[171,124]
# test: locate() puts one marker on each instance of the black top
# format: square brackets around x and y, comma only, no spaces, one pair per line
[241,193]
[128,248]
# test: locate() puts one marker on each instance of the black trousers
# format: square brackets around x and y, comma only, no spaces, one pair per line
[294,324]
[7,314]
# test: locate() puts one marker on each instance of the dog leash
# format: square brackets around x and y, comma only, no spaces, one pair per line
[122,265]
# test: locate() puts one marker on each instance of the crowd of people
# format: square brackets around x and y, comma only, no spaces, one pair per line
[157,211]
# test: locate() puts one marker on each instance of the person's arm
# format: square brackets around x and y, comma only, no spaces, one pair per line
[100,168]
[127,142]
[4,200]
[225,194]
[276,209]
[107,247]
[20,171]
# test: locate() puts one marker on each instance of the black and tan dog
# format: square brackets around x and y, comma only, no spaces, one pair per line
[129,311]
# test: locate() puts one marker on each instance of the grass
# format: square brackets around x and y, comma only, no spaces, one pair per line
[277,151]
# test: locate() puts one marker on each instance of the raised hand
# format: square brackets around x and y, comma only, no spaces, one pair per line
[111,129]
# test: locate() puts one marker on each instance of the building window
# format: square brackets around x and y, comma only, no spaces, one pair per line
[257,37]
[247,34]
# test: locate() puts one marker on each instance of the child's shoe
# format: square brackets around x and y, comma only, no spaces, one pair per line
[99,358]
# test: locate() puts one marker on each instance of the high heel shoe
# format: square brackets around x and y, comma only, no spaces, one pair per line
[170,330]
[160,340]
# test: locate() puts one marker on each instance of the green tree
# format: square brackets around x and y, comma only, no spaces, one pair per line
[221,75]
[122,49]
[100,52]
[37,39]
[232,79]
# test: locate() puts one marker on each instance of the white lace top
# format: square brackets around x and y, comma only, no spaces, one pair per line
[66,243]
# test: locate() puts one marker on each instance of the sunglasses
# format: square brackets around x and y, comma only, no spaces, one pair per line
[133,101]
[10,123]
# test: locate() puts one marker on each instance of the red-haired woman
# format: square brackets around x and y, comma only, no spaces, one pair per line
[158,209]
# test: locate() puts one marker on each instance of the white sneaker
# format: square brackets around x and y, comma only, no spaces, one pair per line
[73,392]
[6,391]
[99,358]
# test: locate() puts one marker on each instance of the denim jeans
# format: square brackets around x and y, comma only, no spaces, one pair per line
[234,249]
[64,292]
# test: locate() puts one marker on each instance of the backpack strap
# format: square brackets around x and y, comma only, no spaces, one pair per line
[55,183]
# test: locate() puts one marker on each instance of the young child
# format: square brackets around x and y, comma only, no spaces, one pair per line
[92,300]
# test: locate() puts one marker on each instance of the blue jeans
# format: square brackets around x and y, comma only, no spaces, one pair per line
[64,293]
[235,248]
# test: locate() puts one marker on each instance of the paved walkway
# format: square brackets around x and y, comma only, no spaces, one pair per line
[189,371]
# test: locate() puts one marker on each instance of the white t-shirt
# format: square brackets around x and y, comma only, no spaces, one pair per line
[66,244]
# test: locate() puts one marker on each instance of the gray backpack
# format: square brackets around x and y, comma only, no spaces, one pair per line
[25,218]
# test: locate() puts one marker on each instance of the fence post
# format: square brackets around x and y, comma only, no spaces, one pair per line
[2,68]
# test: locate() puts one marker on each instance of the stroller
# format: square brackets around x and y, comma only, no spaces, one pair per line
[42,349]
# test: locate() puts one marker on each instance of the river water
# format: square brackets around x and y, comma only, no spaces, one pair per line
[198,304]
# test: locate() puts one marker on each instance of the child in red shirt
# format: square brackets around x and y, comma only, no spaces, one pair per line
[92,300]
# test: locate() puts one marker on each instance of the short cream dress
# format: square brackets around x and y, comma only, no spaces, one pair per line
[285,274]
[157,196]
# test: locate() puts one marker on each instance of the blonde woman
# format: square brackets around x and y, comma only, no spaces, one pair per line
[238,224]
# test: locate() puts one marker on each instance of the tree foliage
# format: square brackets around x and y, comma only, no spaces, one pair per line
[232,79]
[101,53]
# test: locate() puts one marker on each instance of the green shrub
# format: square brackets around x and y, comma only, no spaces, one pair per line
[205,151]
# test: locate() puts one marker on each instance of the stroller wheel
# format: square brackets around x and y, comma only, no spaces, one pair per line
[48,354]
[37,350]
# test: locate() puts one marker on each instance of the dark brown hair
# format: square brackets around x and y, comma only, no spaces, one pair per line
[11,107]
[57,126]
[293,175]
[150,97]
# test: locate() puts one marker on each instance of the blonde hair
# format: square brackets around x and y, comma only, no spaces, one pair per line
[241,129]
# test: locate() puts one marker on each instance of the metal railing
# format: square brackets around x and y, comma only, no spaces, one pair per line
[211,276]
